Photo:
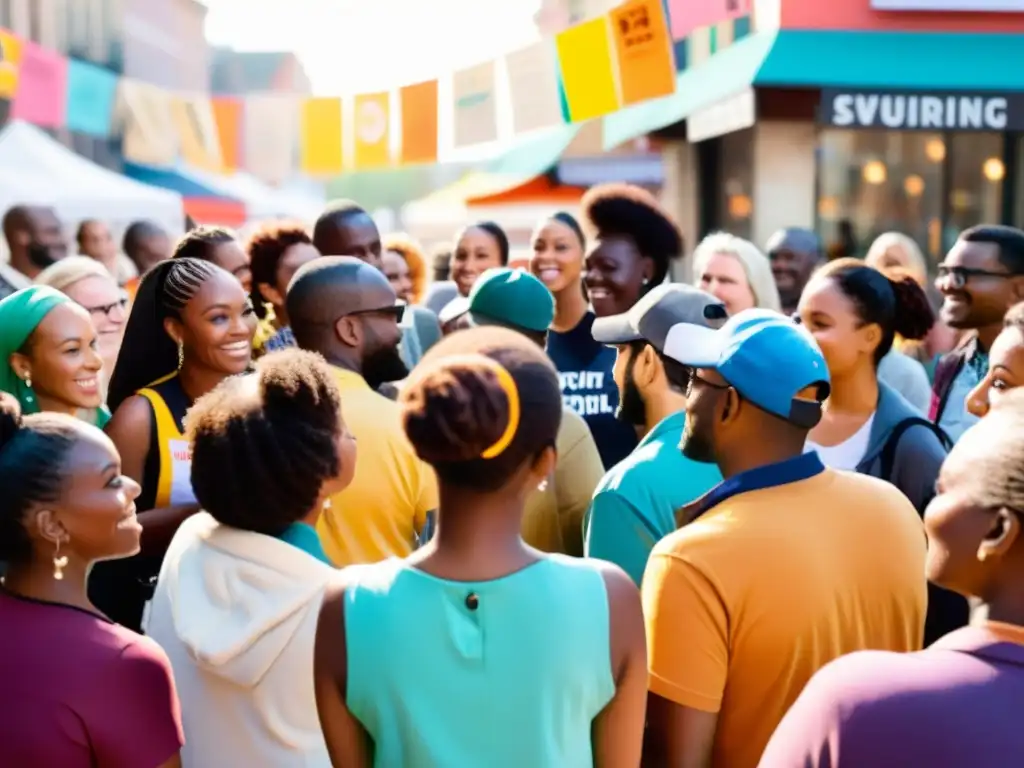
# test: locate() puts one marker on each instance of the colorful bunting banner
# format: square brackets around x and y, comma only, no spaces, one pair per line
[198,142]
[143,113]
[473,102]
[10,59]
[41,96]
[372,129]
[588,70]
[91,94]
[271,133]
[647,68]
[688,15]
[533,87]
[322,149]
[227,113]
[418,107]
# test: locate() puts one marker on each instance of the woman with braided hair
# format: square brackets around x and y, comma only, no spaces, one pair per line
[478,650]
[270,448]
[191,327]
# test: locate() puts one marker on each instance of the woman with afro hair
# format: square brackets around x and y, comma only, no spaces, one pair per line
[633,243]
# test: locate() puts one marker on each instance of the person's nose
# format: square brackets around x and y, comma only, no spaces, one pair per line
[93,361]
[977,399]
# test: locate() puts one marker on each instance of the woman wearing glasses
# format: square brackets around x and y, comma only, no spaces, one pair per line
[87,282]
[190,328]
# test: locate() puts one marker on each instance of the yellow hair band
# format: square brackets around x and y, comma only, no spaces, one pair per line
[508,386]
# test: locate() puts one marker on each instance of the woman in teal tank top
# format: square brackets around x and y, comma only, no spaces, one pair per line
[478,650]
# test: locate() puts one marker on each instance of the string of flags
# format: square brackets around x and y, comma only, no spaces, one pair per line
[590,70]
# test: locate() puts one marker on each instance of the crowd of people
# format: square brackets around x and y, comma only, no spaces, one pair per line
[312,499]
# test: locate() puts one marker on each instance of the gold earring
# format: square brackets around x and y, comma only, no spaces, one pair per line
[60,562]
[181,354]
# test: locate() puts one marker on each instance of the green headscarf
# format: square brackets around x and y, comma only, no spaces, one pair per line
[20,314]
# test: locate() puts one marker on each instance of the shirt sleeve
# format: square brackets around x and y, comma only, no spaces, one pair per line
[577,475]
[687,632]
[615,532]
[141,726]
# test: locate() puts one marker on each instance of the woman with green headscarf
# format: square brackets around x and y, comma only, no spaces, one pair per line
[48,356]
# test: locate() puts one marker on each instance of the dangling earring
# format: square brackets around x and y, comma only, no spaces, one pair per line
[326,505]
[543,486]
[181,354]
[645,281]
[28,385]
[59,563]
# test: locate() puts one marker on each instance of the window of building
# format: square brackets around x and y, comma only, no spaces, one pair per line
[736,183]
[929,186]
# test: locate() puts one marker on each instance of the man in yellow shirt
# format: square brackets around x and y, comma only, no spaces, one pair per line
[345,309]
[782,568]
[553,518]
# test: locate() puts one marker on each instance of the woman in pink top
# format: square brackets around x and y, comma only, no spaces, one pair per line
[78,691]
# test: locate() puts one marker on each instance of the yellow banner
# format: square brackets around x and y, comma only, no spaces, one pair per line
[321,136]
[10,59]
[588,71]
[198,140]
[372,120]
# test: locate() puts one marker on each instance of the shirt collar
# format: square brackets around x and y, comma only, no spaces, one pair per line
[347,379]
[305,537]
[991,640]
[802,467]
[673,423]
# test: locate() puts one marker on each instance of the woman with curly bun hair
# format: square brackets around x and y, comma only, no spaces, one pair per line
[269,448]
[854,313]
[478,649]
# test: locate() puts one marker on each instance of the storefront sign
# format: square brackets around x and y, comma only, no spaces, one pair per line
[906,110]
[979,6]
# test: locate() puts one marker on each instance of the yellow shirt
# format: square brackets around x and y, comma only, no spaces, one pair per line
[380,514]
[553,519]
[795,567]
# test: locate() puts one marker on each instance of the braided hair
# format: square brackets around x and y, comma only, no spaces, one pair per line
[147,351]
[264,444]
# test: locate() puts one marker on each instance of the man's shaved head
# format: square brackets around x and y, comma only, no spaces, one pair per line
[346,229]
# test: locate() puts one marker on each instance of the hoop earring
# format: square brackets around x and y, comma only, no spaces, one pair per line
[60,562]
[181,355]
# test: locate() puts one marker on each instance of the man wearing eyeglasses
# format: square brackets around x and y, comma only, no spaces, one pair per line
[346,310]
[980,279]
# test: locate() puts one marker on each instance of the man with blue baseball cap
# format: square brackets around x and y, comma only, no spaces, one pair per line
[780,569]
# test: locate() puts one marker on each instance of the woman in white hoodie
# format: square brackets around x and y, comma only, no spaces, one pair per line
[239,593]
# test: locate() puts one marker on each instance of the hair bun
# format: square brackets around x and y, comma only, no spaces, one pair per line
[455,413]
[914,314]
[295,382]
[10,418]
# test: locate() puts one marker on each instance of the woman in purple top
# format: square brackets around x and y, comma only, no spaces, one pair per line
[958,702]
[78,691]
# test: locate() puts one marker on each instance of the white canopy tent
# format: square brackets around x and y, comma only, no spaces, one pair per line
[36,169]
[261,200]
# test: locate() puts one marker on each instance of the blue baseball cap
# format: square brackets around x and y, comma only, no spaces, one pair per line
[766,357]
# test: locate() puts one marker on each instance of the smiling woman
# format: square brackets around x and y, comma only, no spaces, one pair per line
[191,327]
[48,354]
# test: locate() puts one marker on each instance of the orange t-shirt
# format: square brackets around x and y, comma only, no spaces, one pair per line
[745,603]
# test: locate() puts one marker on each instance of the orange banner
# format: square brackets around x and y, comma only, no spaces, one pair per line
[227,113]
[372,120]
[419,123]
[647,68]
[321,147]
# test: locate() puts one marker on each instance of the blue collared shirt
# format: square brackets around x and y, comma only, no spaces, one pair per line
[802,467]
[305,538]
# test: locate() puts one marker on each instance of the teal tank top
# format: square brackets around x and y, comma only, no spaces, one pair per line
[507,673]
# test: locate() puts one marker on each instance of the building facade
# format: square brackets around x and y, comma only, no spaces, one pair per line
[236,73]
[165,43]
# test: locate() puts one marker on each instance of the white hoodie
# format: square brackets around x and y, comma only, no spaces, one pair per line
[236,613]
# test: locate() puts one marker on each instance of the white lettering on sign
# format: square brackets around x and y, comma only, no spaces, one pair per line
[891,110]
[582,391]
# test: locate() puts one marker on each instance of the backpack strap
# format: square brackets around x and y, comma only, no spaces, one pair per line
[888,454]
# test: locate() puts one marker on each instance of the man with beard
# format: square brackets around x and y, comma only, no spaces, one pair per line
[780,569]
[980,279]
[345,229]
[553,517]
[346,310]
[35,240]
[794,254]
[635,503]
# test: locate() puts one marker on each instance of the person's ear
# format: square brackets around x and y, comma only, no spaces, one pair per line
[731,406]
[349,331]
[543,466]
[647,269]
[270,293]
[21,366]
[1004,533]
[49,528]
[174,329]
[646,368]
[870,337]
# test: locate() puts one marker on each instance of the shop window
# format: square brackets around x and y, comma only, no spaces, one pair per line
[736,183]
[870,182]
[975,186]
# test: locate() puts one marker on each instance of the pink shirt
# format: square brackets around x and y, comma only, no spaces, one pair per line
[81,692]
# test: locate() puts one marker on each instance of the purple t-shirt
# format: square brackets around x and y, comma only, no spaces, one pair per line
[80,692]
[955,704]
